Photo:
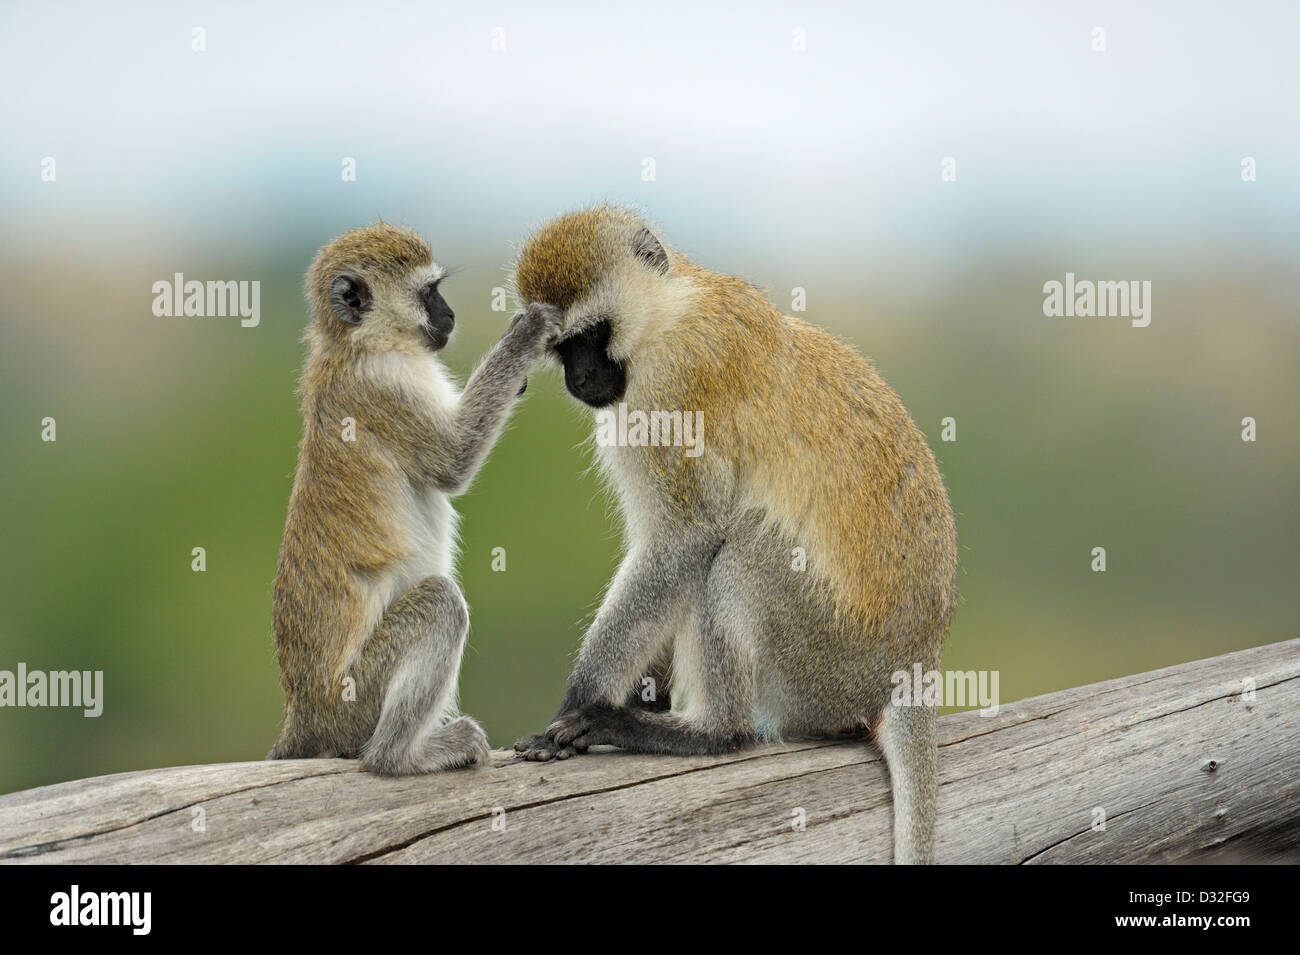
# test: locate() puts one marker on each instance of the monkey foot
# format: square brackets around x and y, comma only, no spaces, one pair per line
[541,747]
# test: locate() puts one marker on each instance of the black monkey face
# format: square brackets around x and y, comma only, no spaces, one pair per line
[589,373]
[439,319]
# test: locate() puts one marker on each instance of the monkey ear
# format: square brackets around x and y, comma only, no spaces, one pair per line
[648,249]
[350,297]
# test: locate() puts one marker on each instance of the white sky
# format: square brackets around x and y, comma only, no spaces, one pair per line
[755,145]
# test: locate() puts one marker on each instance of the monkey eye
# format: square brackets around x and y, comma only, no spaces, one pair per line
[429,293]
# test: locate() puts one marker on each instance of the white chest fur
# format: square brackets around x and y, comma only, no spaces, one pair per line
[430,524]
[625,470]
[427,520]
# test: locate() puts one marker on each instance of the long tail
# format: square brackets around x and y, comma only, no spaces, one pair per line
[907,738]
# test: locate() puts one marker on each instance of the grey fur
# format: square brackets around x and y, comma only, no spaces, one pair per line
[762,657]
[421,638]
[446,454]
[805,439]
[404,718]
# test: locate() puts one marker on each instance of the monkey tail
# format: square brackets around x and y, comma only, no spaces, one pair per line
[906,736]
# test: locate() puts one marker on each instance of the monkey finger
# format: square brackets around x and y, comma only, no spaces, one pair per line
[546,310]
[531,744]
[594,736]
[566,730]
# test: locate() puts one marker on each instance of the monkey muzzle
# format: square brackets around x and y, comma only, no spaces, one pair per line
[436,337]
[438,322]
[590,374]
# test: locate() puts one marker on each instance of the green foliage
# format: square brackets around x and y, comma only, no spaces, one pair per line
[177,433]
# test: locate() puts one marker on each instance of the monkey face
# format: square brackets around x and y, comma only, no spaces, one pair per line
[382,314]
[590,374]
[605,268]
[369,291]
[439,319]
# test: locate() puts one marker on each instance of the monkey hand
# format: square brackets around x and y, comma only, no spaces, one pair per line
[601,724]
[541,747]
[556,742]
[540,325]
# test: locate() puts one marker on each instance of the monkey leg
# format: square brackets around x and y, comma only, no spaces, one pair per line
[651,597]
[415,654]
[299,742]
[654,590]
[544,746]
[906,736]
[658,675]
[714,661]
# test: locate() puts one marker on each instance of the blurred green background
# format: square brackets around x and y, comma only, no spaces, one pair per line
[820,173]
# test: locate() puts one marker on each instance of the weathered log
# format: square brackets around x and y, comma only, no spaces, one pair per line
[1180,763]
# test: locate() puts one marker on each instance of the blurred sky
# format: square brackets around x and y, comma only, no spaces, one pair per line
[822,157]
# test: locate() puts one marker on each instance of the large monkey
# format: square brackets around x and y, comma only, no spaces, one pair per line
[369,624]
[783,575]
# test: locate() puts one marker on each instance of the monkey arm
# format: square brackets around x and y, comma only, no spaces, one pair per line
[488,397]
[629,631]
[445,447]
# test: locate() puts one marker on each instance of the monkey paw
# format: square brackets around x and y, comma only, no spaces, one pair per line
[573,732]
[596,724]
[549,316]
[541,747]
[540,323]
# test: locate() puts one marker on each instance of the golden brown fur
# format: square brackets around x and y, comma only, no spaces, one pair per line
[369,623]
[805,449]
[873,513]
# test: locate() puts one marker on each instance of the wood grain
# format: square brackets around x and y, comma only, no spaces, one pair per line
[1183,766]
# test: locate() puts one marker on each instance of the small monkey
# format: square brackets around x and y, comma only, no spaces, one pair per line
[772,584]
[369,624]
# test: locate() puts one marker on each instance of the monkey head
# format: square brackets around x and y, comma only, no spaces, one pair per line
[613,279]
[375,289]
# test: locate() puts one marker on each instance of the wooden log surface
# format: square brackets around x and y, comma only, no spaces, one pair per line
[1183,764]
